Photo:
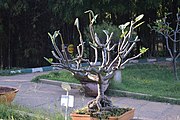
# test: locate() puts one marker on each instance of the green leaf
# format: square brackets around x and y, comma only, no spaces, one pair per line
[143,50]
[50,60]
[139,17]
[123,34]
[93,44]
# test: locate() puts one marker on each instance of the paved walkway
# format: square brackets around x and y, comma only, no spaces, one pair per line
[47,97]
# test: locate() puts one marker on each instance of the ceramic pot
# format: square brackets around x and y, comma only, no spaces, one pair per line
[91,89]
[126,116]
[7,94]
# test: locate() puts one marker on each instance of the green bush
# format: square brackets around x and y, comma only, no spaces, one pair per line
[104,26]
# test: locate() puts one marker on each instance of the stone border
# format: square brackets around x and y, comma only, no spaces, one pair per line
[120,93]
[29,70]
[152,60]
[58,83]
[143,96]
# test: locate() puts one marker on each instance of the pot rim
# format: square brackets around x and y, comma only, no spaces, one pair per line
[14,89]
[76,114]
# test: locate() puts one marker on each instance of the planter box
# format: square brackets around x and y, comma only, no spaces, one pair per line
[81,117]
[126,116]
[7,94]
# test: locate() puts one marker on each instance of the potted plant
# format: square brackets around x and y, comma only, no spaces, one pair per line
[101,106]
[7,94]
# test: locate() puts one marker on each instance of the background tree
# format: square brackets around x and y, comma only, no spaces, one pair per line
[24,20]
[171,36]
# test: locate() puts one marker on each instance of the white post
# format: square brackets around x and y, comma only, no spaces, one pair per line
[118,76]
[66,116]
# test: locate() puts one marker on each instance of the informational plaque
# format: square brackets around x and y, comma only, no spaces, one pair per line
[67,100]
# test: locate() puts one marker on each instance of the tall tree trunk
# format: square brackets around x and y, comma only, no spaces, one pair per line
[1,53]
[174,56]
[175,69]
[9,45]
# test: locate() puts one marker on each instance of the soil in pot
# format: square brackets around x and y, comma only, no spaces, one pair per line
[7,94]
[113,114]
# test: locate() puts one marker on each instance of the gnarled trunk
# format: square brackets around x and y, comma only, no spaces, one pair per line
[101,102]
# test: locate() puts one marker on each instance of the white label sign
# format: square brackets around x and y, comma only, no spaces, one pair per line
[65,100]
[37,70]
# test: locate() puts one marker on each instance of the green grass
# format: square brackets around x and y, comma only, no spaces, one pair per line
[153,79]
[14,112]
[62,75]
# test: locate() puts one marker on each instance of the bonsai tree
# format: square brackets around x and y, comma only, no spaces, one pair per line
[101,74]
[171,35]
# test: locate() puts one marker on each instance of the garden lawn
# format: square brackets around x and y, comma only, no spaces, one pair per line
[62,75]
[14,112]
[153,79]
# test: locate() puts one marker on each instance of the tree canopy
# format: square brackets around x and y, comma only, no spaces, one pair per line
[24,25]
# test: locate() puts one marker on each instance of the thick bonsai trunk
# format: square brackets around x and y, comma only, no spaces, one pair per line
[101,103]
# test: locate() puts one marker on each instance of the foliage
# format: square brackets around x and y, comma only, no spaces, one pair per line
[14,112]
[112,113]
[62,75]
[143,50]
[23,42]
[171,34]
